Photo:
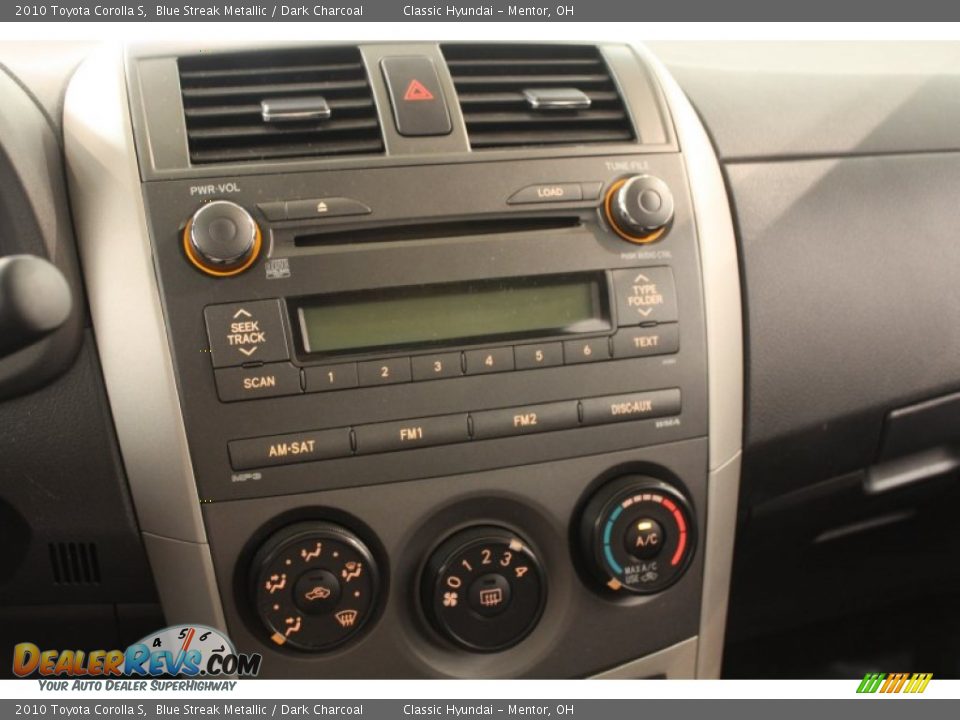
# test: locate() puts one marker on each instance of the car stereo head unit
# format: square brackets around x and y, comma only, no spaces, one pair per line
[440,366]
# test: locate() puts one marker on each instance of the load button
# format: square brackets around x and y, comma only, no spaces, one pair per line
[245,333]
[547,193]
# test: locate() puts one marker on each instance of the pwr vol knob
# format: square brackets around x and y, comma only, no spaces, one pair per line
[222,239]
[638,535]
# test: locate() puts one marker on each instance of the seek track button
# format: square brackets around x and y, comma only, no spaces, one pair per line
[241,333]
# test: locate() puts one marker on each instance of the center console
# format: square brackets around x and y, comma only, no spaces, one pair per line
[429,355]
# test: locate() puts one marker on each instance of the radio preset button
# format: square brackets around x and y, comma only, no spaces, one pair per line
[325,207]
[634,406]
[245,332]
[253,383]
[642,342]
[331,377]
[525,420]
[537,356]
[289,449]
[645,295]
[547,193]
[584,351]
[434,367]
[490,360]
[409,434]
[384,372]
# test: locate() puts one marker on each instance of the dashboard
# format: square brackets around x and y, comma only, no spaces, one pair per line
[477,360]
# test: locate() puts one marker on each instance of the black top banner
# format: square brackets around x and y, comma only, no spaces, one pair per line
[480,11]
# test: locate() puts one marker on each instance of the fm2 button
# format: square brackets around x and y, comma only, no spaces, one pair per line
[419,108]
[245,333]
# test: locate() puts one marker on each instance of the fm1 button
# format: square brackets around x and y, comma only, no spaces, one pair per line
[644,538]
[317,592]
[418,105]
[245,333]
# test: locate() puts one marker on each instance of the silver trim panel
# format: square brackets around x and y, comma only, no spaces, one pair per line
[674,663]
[131,335]
[721,287]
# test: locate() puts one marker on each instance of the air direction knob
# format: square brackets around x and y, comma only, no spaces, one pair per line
[314,585]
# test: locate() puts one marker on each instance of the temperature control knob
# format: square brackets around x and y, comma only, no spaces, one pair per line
[222,239]
[639,208]
[314,586]
[483,589]
[638,535]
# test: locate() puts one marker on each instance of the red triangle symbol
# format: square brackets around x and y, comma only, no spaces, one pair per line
[416,91]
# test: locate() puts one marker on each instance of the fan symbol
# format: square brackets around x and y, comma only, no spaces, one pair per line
[450,599]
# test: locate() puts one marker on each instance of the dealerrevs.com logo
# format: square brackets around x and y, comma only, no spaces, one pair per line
[181,651]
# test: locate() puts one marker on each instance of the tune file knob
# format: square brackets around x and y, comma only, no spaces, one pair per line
[639,208]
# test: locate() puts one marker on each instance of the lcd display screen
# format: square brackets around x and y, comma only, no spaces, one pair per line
[455,313]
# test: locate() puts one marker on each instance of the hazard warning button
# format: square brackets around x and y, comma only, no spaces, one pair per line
[419,108]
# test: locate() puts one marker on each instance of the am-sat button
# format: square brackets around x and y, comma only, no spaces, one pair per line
[253,383]
[289,449]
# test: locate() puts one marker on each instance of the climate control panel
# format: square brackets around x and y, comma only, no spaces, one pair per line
[481,589]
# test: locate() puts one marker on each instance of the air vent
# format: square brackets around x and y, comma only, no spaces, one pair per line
[278,105]
[74,563]
[515,95]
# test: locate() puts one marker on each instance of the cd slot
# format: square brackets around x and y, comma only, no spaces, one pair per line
[430,231]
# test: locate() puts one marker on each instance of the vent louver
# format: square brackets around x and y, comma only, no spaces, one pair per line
[278,105]
[515,95]
[74,563]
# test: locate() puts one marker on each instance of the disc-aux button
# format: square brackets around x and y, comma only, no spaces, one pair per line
[248,332]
